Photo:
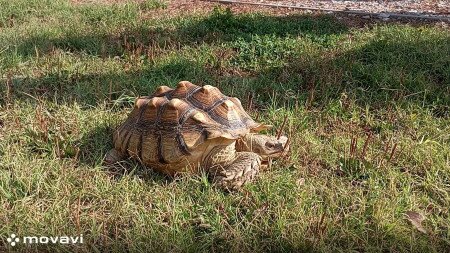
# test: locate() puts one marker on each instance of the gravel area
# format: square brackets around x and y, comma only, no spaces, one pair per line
[399,6]
[411,7]
[431,8]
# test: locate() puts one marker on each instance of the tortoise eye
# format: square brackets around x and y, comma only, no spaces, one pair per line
[269,145]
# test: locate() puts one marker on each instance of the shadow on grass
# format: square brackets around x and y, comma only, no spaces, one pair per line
[218,27]
[378,73]
[391,67]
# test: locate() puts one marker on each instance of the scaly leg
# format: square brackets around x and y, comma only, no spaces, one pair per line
[240,171]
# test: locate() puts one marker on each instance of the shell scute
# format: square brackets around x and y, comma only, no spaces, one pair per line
[140,101]
[149,148]
[162,91]
[206,98]
[174,112]
[170,153]
[183,90]
[149,112]
[134,144]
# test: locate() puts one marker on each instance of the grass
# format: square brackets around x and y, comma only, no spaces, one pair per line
[368,115]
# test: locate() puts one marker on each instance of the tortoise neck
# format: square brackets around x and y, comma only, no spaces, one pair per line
[242,145]
[246,143]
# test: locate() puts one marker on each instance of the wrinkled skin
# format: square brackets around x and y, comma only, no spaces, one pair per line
[264,145]
[252,152]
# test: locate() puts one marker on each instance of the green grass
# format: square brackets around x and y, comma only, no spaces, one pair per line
[368,115]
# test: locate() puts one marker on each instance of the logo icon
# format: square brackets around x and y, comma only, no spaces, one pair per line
[13,240]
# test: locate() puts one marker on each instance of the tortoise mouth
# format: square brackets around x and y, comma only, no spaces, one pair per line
[272,154]
[265,158]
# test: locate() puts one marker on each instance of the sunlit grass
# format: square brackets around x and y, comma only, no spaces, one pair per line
[368,118]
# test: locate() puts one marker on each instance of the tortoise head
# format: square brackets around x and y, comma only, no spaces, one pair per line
[264,145]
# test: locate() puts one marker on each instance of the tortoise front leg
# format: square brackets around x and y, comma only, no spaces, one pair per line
[243,169]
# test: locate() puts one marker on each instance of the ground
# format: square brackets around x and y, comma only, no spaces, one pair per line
[366,102]
[429,7]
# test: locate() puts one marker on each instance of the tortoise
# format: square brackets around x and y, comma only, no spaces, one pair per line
[190,128]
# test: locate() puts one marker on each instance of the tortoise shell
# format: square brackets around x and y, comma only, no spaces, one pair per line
[170,124]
